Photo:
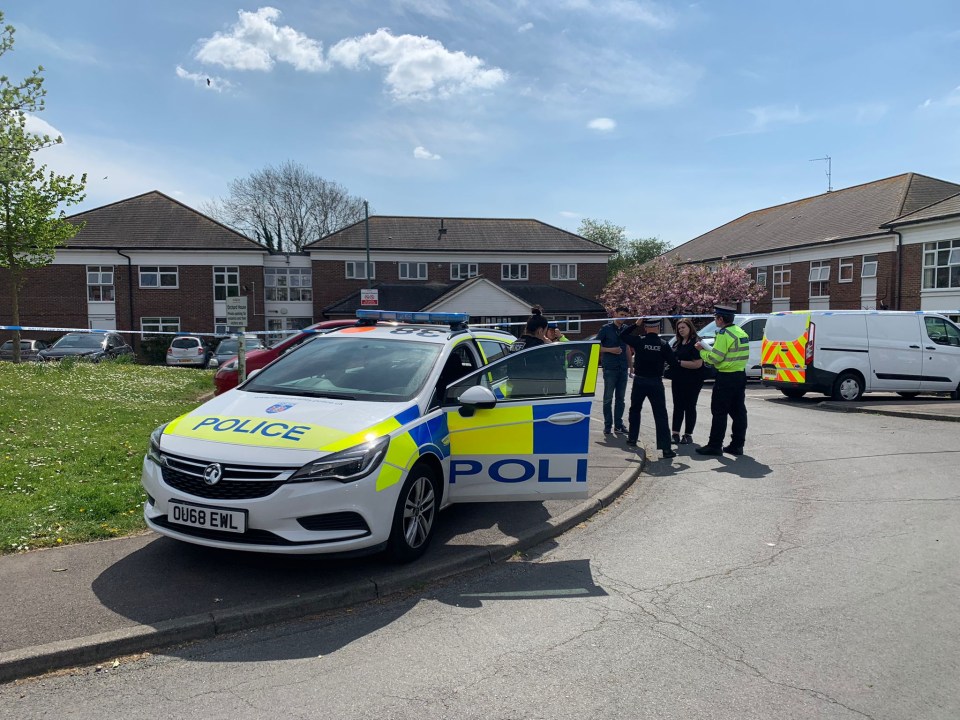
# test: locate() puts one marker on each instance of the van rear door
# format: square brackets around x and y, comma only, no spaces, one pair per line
[784,347]
[896,355]
[941,355]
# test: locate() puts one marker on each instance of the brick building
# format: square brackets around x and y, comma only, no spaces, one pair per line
[889,244]
[151,263]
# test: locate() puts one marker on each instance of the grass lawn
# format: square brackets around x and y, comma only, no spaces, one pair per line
[72,440]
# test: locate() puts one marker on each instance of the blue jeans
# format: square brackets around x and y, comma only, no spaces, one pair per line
[614,381]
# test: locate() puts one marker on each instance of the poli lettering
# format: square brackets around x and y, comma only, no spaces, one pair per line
[516,470]
[251,427]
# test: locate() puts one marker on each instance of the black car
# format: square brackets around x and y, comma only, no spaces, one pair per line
[93,346]
[28,349]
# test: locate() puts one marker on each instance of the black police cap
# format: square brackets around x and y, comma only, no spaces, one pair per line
[724,310]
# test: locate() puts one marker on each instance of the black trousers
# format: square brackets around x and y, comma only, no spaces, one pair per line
[729,398]
[686,391]
[652,389]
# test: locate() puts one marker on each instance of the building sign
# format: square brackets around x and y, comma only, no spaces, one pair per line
[237,311]
[369,298]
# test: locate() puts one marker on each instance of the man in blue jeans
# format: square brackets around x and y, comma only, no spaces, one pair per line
[615,361]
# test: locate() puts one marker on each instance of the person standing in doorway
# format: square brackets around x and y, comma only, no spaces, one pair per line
[685,382]
[651,352]
[729,354]
[615,362]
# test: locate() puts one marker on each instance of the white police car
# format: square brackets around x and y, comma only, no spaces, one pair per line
[353,441]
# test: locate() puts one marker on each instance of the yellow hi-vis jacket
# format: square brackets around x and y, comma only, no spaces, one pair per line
[730,351]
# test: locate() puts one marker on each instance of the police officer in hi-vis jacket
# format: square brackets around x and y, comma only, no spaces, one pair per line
[729,354]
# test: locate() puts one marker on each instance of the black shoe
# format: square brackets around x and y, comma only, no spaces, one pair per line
[606,431]
[731,450]
[622,430]
[631,442]
[675,438]
[709,450]
[669,453]
[686,440]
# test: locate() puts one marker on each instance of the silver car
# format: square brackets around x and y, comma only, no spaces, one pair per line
[230,347]
[189,351]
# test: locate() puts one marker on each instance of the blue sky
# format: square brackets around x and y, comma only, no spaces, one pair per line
[668,118]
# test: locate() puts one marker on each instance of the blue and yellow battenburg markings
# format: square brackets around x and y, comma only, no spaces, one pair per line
[519,430]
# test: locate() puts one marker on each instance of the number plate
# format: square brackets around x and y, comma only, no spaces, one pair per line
[204,516]
[769,373]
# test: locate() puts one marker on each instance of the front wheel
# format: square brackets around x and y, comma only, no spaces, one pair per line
[415,517]
[848,387]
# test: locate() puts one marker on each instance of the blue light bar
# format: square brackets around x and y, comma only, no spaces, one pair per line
[414,317]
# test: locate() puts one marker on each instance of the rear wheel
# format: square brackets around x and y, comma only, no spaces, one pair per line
[793,393]
[415,516]
[848,387]
[577,359]
[908,394]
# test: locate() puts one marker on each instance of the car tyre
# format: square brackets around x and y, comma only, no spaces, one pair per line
[414,519]
[793,393]
[848,387]
[577,360]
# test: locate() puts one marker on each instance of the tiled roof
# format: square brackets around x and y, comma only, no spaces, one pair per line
[388,232]
[854,212]
[950,207]
[556,301]
[154,221]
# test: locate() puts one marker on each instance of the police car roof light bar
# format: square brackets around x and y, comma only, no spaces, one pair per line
[455,320]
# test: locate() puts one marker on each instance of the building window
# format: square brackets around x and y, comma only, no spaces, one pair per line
[160,324]
[356,270]
[869,267]
[100,283]
[514,271]
[288,284]
[159,277]
[567,323]
[781,282]
[846,270]
[563,271]
[226,282]
[762,277]
[819,278]
[941,264]
[412,271]
[463,271]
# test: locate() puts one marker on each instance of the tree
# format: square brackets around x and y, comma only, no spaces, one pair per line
[629,252]
[31,199]
[286,208]
[665,287]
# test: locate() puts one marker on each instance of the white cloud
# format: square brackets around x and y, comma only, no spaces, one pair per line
[256,42]
[421,153]
[67,49]
[569,214]
[769,115]
[646,13]
[208,82]
[417,67]
[36,126]
[602,124]
[430,8]
[525,27]
[951,99]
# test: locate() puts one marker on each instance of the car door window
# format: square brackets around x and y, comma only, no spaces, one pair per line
[941,332]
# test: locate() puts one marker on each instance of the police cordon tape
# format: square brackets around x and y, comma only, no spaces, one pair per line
[184,333]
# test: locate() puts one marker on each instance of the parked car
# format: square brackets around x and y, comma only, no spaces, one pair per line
[228,372]
[753,326]
[93,346]
[28,349]
[189,350]
[229,347]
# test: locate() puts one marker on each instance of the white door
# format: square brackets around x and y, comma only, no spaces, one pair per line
[941,355]
[896,358]
[534,442]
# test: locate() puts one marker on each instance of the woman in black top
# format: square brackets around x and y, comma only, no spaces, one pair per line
[533,334]
[686,381]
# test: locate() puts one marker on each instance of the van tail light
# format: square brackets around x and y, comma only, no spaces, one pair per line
[808,355]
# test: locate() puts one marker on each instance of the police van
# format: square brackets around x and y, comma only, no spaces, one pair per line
[845,353]
[352,442]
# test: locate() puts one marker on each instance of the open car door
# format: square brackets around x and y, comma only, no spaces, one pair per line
[519,428]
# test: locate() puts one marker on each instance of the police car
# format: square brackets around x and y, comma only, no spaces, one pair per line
[352,442]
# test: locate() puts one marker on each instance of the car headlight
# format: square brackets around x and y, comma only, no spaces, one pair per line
[153,452]
[347,465]
[232,365]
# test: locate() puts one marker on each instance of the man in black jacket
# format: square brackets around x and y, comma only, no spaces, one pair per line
[650,352]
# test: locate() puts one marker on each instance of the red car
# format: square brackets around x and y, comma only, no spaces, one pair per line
[227,375]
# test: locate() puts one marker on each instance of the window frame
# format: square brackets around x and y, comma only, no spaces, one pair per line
[160,271]
[555,271]
[846,263]
[566,323]
[355,265]
[230,289]
[875,263]
[296,284]
[932,270]
[401,275]
[819,286]
[761,276]
[473,270]
[782,279]
[162,323]
[523,271]
[101,285]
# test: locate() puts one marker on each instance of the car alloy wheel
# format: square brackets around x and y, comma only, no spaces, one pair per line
[415,515]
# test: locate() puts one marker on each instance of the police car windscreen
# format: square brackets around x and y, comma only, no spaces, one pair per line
[377,369]
[786,328]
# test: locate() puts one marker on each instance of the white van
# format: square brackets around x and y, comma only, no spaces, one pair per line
[753,326]
[845,353]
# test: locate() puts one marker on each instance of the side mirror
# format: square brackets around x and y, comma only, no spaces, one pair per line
[476,398]
[214,363]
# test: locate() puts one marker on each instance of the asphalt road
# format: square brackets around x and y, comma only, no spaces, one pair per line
[815,577]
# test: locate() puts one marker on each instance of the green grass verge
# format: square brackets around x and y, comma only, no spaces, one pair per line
[72,440]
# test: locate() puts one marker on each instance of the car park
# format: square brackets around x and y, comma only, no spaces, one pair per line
[846,353]
[189,350]
[753,326]
[228,372]
[94,346]
[352,442]
[228,348]
[28,349]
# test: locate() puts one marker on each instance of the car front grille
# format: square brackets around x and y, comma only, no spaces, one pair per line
[239,482]
[335,521]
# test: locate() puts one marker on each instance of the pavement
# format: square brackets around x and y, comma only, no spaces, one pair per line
[94,602]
